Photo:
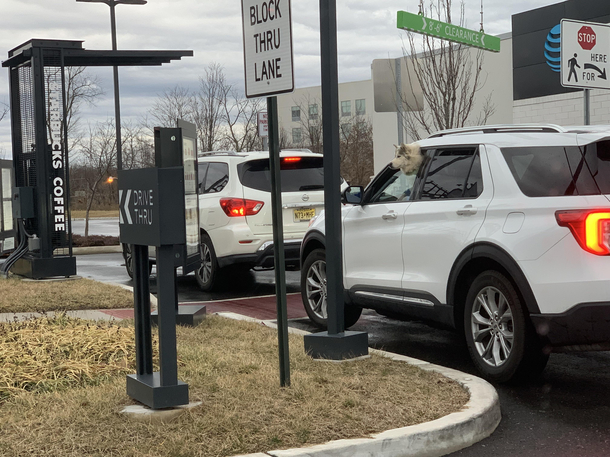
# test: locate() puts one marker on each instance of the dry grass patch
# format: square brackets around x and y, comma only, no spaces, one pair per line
[17,296]
[80,214]
[232,367]
[51,354]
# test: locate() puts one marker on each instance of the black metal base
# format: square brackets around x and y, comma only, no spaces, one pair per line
[39,268]
[339,346]
[188,315]
[147,389]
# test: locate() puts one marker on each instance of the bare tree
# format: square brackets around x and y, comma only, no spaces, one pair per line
[3,110]
[81,89]
[356,151]
[449,75]
[310,121]
[98,160]
[240,118]
[173,104]
[209,102]
[138,147]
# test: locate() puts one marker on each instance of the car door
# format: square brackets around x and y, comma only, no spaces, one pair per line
[372,233]
[444,218]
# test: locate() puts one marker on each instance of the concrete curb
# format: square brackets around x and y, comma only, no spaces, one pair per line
[445,435]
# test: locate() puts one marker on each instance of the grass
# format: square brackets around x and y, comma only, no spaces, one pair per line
[17,296]
[232,368]
[80,214]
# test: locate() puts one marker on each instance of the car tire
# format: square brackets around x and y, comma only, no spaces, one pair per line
[128,257]
[500,337]
[313,291]
[208,274]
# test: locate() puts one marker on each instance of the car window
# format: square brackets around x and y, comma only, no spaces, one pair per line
[392,186]
[296,173]
[558,171]
[216,178]
[452,174]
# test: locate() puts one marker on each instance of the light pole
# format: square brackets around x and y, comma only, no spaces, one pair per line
[115,71]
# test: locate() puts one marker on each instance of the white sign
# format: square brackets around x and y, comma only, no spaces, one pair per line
[261,118]
[267,29]
[585,47]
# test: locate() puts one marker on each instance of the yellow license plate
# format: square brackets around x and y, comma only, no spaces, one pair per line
[304,214]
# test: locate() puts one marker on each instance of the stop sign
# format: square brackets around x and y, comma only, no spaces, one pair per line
[586,38]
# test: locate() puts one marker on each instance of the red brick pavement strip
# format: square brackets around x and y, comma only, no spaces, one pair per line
[263,308]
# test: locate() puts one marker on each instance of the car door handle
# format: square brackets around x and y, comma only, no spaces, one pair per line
[389,216]
[467,210]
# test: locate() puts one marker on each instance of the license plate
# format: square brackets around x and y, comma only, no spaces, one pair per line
[304,214]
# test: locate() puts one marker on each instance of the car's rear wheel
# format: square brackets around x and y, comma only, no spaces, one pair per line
[314,291]
[128,257]
[208,273]
[500,338]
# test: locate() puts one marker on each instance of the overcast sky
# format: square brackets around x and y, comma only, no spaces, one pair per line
[212,29]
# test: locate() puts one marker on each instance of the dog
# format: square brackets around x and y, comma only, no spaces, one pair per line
[408,158]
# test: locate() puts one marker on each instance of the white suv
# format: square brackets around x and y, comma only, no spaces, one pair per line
[235,210]
[504,235]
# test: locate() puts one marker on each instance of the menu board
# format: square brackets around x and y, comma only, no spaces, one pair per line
[191,200]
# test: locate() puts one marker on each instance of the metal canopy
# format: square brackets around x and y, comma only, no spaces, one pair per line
[74,55]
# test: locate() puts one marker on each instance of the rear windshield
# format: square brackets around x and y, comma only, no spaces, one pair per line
[297,174]
[558,171]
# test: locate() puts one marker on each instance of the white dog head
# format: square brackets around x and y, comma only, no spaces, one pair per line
[408,158]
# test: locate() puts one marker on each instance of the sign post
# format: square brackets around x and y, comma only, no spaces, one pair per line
[585,47]
[263,130]
[267,32]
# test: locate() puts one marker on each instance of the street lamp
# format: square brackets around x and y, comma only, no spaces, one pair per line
[117,104]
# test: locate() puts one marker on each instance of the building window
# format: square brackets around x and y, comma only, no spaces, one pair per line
[313,112]
[360,107]
[346,129]
[296,136]
[346,108]
[296,114]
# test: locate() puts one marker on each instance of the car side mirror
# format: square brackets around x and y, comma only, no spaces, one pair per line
[352,195]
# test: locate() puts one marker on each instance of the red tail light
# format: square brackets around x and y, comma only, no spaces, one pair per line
[291,159]
[236,207]
[590,228]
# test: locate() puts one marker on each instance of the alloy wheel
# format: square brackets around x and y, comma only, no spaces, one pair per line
[492,326]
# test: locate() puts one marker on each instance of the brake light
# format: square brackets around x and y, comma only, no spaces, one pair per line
[291,159]
[236,207]
[590,228]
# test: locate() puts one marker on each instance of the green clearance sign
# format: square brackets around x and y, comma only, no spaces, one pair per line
[420,24]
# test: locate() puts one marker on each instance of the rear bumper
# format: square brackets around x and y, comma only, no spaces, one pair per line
[264,257]
[586,324]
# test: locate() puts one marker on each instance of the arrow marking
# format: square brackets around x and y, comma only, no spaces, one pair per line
[483,39]
[424,19]
[602,74]
[120,212]
[126,207]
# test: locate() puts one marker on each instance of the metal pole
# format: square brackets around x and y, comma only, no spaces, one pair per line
[587,107]
[168,357]
[141,295]
[398,70]
[278,241]
[332,176]
[117,103]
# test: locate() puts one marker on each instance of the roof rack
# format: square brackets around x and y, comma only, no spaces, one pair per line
[211,153]
[502,128]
